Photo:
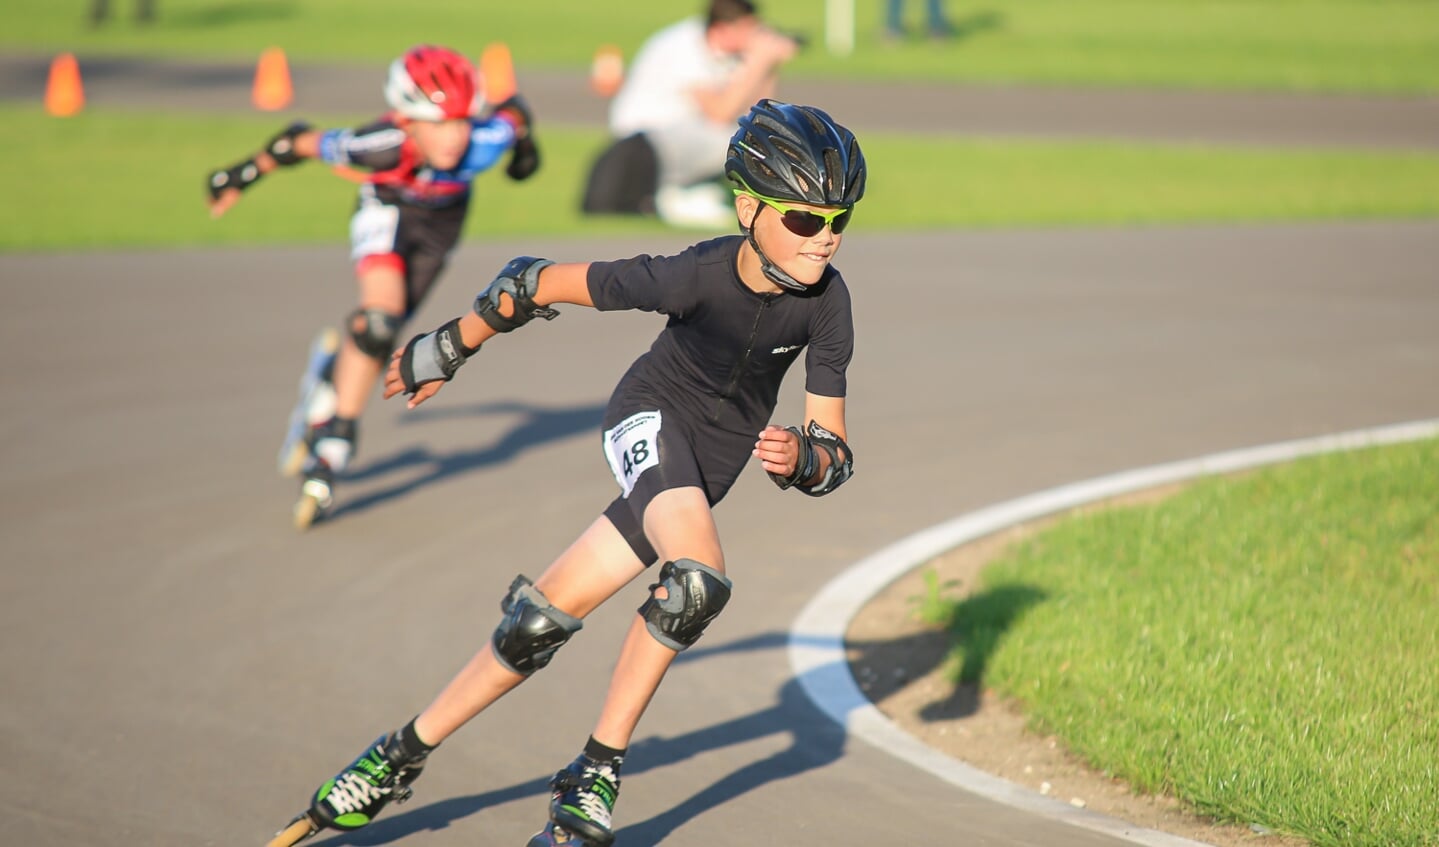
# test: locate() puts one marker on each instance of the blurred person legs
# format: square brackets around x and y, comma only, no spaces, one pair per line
[667,172]
[100,11]
[936,24]
[623,179]
[691,171]
[399,253]
[369,337]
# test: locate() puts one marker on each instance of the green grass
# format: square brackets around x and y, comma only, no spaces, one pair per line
[1333,45]
[1263,647]
[133,179]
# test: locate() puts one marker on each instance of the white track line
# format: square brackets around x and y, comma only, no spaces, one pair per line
[816,639]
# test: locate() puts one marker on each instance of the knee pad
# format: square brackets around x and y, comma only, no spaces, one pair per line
[695,595]
[374,332]
[532,629]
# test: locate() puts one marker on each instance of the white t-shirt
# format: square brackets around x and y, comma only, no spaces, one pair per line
[669,66]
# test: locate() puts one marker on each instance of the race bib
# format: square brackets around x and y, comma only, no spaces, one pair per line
[372,230]
[632,447]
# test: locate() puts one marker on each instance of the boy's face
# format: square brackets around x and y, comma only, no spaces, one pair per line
[442,143]
[802,257]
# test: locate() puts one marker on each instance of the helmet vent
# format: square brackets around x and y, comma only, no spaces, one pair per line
[832,166]
[791,152]
[815,124]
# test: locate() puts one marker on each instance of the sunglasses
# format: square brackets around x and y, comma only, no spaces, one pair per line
[804,223]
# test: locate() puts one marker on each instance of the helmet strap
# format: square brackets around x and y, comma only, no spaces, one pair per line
[774,273]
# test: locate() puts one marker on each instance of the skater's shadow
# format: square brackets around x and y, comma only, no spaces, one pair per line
[814,741]
[964,640]
[537,426]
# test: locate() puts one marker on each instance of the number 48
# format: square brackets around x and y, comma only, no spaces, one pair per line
[638,454]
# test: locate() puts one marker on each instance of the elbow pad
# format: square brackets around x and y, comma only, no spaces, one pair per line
[520,279]
[282,146]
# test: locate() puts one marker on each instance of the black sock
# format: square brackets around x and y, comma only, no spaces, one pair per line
[603,753]
[410,742]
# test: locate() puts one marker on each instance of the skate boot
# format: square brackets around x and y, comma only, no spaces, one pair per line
[330,447]
[353,798]
[582,808]
[356,795]
[315,405]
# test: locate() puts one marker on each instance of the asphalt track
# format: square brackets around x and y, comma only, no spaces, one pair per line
[181,668]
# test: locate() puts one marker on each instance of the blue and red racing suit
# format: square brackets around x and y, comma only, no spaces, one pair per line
[409,215]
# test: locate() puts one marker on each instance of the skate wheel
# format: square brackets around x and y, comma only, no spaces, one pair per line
[307,510]
[556,836]
[300,829]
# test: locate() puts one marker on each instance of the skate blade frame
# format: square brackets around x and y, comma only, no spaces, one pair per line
[315,499]
[299,829]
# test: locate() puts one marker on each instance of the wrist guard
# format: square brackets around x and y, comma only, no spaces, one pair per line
[804,466]
[241,176]
[282,146]
[519,279]
[811,443]
[434,356]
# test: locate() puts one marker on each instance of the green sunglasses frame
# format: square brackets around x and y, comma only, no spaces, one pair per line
[779,206]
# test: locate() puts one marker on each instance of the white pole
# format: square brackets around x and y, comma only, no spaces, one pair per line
[839,26]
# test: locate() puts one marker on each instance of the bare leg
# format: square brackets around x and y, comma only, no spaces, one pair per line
[597,565]
[382,288]
[680,525]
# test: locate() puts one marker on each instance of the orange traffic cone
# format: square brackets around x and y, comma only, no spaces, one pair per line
[272,91]
[497,70]
[64,95]
[607,71]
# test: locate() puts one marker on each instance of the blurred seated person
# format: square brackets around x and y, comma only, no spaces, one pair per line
[671,120]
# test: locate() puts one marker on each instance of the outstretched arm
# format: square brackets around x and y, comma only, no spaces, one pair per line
[292,145]
[412,372]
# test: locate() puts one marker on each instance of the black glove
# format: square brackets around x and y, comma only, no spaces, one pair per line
[524,159]
[525,155]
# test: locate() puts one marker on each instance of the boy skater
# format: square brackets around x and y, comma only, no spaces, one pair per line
[419,161]
[680,426]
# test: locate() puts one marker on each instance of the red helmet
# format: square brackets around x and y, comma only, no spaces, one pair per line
[431,83]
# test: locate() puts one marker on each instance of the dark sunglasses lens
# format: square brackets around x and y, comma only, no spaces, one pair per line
[838,224]
[803,224]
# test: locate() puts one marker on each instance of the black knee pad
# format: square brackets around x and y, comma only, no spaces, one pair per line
[374,332]
[532,629]
[696,594]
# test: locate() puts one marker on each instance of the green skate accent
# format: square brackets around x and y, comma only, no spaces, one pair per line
[606,791]
[579,813]
[355,820]
[375,766]
[324,790]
